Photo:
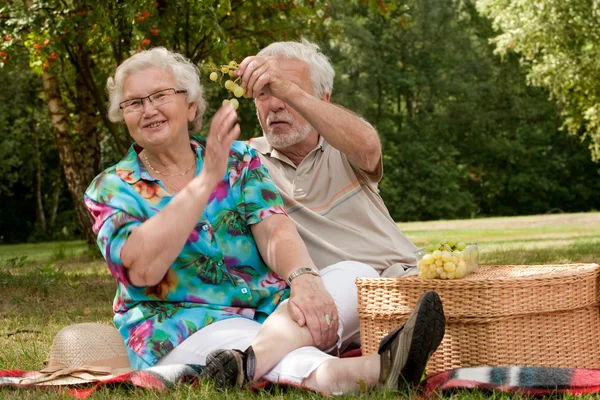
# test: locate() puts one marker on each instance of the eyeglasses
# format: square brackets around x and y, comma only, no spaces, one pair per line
[156,98]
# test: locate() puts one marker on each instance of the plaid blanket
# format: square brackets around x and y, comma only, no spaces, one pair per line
[156,378]
[526,380]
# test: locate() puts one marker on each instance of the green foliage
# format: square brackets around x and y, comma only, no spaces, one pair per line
[558,43]
[462,133]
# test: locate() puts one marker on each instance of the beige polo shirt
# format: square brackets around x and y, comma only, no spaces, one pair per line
[337,209]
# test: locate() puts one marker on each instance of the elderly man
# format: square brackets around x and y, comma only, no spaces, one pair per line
[325,160]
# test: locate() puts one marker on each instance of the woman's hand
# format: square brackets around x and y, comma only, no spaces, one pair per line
[223,131]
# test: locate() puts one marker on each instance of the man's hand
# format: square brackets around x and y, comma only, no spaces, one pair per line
[262,75]
[309,305]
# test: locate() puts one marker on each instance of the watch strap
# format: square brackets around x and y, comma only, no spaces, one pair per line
[301,271]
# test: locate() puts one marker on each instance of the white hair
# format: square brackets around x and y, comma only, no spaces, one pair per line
[321,71]
[182,70]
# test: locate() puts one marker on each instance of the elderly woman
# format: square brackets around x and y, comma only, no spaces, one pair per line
[205,258]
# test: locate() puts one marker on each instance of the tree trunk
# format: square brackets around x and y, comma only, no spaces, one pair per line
[39,204]
[56,189]
[76,182]
[89,145]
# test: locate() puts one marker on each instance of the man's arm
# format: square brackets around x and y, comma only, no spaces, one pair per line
[341,128]
[284,251]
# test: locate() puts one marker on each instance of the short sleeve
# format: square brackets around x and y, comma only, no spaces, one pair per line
[371,179]
[115,216]
[260,197]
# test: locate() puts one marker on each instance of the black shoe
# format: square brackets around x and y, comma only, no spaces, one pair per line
[230,368]
[405,351]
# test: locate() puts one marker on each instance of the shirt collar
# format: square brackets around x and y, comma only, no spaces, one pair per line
[261,145]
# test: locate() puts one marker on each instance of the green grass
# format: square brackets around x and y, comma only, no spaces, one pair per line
[47,286]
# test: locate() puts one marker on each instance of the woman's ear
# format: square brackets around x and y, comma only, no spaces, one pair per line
[192,108]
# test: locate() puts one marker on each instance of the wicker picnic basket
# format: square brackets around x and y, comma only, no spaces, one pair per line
[538,315]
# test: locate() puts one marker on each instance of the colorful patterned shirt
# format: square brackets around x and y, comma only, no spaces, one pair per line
[219,273]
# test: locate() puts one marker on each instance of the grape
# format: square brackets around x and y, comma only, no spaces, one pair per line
[427,259]
[230,85]
[444,258]
[238,91]
[449,267]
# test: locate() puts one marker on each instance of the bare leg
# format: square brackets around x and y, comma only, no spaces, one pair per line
[343,375]
[281,329]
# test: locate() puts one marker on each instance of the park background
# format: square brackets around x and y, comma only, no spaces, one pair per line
[488,112]
[484,107]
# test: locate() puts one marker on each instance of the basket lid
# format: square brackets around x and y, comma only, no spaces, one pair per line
[490,291]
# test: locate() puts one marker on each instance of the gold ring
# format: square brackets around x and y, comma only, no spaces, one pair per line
[328,319]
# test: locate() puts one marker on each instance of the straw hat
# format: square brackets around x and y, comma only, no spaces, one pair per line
[81,353]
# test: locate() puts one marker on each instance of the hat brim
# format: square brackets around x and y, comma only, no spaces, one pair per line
[76,378]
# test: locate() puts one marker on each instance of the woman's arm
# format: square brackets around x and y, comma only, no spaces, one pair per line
[152,247]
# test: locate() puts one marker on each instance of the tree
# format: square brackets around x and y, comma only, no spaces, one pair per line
[463,134]
[75,45]
[557,41]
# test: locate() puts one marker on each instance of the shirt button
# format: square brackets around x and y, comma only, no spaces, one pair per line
[244,290]
[204,227]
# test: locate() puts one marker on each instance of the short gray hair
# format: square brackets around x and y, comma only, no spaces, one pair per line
[183,71]
[321,71]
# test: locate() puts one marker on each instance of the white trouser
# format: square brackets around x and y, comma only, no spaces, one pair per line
[238,333]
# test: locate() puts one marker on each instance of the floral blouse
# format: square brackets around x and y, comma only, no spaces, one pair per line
[219,273]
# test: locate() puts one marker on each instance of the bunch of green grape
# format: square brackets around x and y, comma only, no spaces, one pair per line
[443,259]
[226,72]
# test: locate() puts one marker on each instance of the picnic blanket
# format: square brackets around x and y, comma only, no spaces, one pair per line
[525,380]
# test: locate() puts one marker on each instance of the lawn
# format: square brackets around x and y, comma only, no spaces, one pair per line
[48,286]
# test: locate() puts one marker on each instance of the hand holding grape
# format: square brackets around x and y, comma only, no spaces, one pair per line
[263,75]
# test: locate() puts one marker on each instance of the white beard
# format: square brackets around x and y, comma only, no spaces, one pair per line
[295,134]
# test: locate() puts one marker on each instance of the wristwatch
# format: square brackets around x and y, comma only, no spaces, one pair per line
[301,271]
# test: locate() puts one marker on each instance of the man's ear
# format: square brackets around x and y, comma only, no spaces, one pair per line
[326,97]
